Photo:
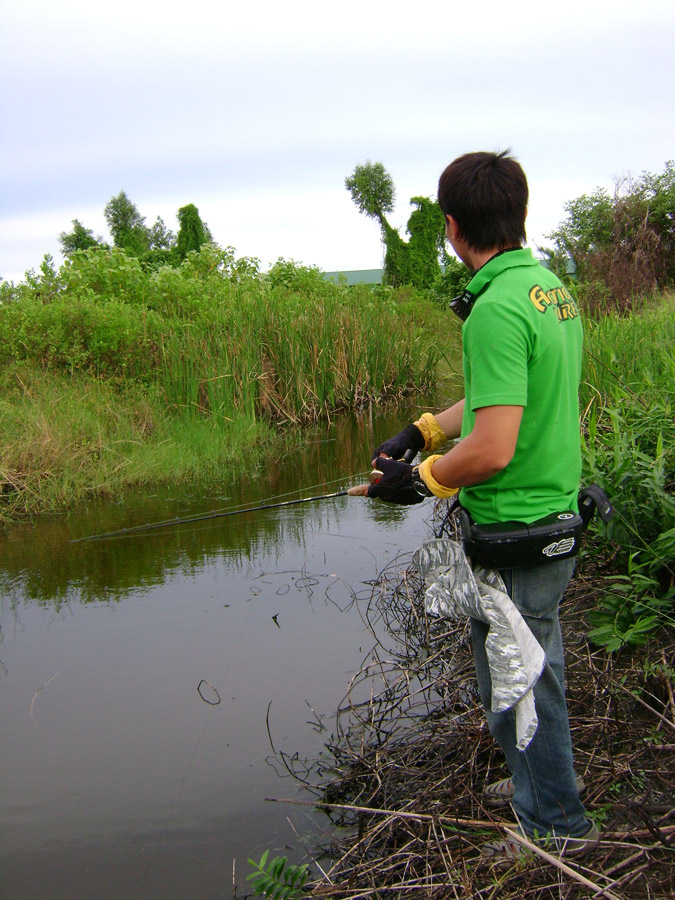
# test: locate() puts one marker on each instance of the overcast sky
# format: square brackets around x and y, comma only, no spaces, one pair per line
[256,112]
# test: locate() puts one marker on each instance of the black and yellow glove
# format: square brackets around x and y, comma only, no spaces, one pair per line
[396,484]
[424,434]
[405,484]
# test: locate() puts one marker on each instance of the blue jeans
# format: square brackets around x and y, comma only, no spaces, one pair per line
[545,794]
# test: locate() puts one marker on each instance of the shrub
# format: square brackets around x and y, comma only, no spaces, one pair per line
[629,448]
[76,333]
[623,245]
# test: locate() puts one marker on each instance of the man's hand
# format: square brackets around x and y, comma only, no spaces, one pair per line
[411,438]
[396,484]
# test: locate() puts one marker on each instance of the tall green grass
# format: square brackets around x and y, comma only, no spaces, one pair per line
[632,353]
[216,342]
[290,358]
[629,448]
[212,352]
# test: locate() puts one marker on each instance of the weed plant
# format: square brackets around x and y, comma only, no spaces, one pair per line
[629,448]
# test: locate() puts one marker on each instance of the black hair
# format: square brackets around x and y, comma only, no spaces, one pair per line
[486,194]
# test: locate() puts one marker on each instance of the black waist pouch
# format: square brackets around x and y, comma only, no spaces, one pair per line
[508,545]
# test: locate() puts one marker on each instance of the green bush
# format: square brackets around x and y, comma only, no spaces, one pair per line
[629,448]
[109,274]
[215,336]
[286,273]
[76,332]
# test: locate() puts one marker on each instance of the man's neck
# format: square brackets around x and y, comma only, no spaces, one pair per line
[477,258]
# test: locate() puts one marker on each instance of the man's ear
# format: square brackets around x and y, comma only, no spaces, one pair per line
[451,228]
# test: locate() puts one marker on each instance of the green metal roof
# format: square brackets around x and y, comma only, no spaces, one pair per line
[357,276]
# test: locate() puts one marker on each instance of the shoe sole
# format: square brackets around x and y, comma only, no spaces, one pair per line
[496,801]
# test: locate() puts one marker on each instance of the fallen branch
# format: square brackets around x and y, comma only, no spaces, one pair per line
[395,813]
[41,688]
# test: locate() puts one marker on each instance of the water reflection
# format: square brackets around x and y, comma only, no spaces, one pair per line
[118,779]
[39,562]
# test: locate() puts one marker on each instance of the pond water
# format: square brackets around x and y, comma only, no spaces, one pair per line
[151,681]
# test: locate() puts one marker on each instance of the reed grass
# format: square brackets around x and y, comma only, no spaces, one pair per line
[126,373]
[629,448]
[633,353]
[266,354]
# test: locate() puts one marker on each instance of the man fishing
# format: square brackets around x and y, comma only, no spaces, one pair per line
[518,461]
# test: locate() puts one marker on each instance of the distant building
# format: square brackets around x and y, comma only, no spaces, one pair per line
[357,276]
[374,276]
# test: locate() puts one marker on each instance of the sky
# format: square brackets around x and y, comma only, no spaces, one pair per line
[257,112]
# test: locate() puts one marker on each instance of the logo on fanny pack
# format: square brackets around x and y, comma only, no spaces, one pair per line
[558,548]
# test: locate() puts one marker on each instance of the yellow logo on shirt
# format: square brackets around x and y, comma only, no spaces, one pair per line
[560,298]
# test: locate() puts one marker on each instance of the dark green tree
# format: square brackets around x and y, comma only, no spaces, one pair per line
[127,225]
[415,261]
[397,270]
[192,232]
[372,190]
[426,227]
[588,226]
[80,238]
[161,238]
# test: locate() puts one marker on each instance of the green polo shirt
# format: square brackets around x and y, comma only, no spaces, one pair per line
[522,347]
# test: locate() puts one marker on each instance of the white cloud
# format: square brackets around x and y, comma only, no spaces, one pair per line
[268,107]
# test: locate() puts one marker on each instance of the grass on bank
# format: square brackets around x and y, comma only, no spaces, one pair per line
[628,394]
[66,438]
[112,376]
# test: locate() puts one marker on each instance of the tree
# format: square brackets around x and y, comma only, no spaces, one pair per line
[127,225]
[623,245]
[659,196]
[372,190]
[80,238]
[192,232]
[415,261]
[396,257]
[426,227]
[161,238]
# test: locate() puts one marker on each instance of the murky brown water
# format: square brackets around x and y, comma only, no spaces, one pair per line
[119,779]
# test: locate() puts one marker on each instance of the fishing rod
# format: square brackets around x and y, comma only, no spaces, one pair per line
[219,514]
[215,514]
